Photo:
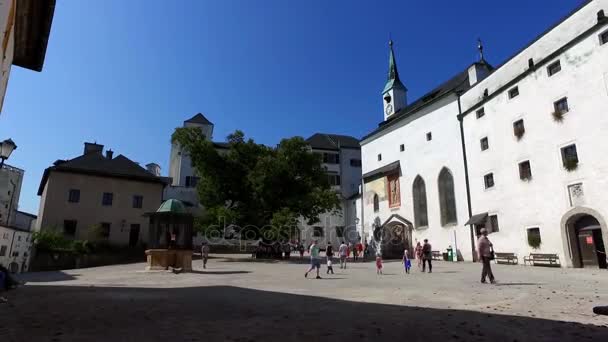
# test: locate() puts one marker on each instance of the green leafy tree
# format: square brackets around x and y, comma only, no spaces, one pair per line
[256,187]
[51,240]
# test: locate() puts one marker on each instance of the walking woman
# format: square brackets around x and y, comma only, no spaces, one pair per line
[418,254]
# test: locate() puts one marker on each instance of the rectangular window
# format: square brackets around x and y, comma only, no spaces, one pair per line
[19,238]
[429,136]
[493,222]
[519,129]
[379,157]
[331,158]
[561,106]
[484,143]
[191,181]
[401,147]
[489,180]
[339,232]
[525,172]
[69,227]
[355,162]
[74,196]
[107,199]
[570,157]
[554,68]
[513,92]
[334,180]
[480,112]
[105,230]
[317,231]
[138,201]
[604,37]
[534,237]
[3,250]
[15,254]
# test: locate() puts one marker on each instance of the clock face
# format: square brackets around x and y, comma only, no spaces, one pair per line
[389,109]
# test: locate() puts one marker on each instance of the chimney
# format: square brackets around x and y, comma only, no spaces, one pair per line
[92,148]
[477,72]
[154,169]
[109,154]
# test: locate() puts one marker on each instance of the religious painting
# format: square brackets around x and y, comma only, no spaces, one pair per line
[577,196]
[394,193]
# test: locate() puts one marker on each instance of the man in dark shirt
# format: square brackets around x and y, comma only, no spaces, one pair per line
[427,256]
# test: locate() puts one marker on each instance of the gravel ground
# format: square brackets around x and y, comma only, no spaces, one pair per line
[235,299]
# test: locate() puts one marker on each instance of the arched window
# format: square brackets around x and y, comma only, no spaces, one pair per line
[447,200]
[376,203]
[419,196]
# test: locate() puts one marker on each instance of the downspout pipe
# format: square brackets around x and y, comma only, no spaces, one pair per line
[466,174]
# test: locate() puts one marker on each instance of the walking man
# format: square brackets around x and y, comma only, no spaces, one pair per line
[485,251]
[343,251]
[205,253]
[427,256]
[315,259]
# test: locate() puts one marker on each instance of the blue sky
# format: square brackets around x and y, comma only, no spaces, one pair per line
[126,73]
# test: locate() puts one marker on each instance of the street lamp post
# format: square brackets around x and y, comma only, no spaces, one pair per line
[6,149]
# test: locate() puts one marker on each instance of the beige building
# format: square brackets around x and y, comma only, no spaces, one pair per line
[98,196]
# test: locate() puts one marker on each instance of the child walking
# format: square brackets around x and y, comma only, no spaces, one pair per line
[330,267]
[407,264]
[378,264]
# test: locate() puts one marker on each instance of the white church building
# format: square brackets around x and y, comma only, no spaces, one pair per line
[518,149]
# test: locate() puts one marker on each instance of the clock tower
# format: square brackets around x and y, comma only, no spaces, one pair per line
[394,95]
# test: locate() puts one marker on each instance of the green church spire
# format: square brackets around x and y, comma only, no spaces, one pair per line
[393,80]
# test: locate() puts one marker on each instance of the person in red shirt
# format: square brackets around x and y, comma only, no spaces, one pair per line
[359,248]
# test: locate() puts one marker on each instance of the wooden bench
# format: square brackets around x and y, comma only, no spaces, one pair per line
[542,259]
[506,258]
[436,255]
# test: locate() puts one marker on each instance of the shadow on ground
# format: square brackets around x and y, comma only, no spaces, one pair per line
[218,272]
[46,277]
[223,313]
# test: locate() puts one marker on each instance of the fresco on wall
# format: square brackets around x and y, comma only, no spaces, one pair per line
[377,186]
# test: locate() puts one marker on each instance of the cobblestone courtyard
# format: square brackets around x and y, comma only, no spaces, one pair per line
[235,299]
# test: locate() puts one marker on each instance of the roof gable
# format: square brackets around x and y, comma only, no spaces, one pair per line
[332,141]
[199,119]
[97,164]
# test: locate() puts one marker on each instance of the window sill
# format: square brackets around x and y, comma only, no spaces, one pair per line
[422,228]
[490,188]
[572,170]
[450,225]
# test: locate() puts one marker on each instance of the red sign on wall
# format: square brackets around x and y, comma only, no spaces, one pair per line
[589,240]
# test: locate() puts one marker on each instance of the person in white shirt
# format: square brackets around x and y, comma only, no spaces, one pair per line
[343,252]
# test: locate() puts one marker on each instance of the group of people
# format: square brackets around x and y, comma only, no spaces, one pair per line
[358,250]
[344,252]
[422,252]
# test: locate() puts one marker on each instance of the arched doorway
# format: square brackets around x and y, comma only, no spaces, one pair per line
[585,234]
[396,237]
